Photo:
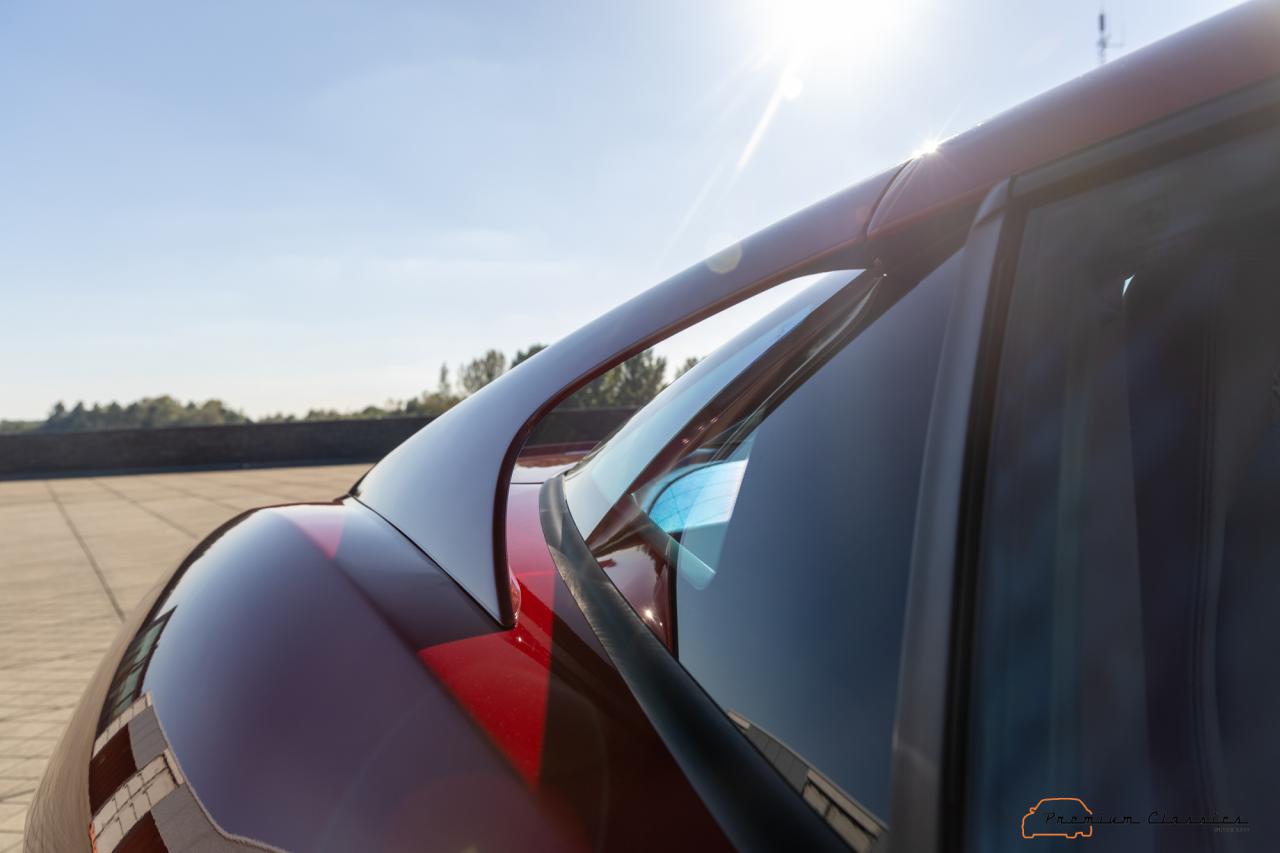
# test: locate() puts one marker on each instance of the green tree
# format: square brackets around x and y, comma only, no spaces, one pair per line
[527,353]
[637,380]
[147,412]
[479,372]
[689,364]
[432,403]
[633,383]
[18,426]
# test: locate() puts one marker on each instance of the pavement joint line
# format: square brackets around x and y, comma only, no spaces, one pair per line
[38,709]
[300,483]
[10,796]
[84,546]
[191,494]
[175,525]
[42,661]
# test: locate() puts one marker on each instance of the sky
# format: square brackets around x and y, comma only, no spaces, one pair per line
[295,205]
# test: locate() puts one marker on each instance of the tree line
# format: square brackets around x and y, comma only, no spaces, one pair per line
[631,384]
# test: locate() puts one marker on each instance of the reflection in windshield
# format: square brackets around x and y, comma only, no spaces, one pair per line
[693,506]
[696,497]
[599,483]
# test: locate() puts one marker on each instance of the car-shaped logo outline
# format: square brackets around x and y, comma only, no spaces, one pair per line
[1087,832]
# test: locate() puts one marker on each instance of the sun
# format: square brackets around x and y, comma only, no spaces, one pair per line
[820,41]
[806,32]
[927,147]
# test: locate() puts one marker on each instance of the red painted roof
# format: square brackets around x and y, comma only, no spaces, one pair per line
[1225,53]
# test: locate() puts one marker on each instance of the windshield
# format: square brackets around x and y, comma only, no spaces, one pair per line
[601,480]
[759,519]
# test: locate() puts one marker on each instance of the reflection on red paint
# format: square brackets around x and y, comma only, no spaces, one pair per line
[502,679]
[319,523]
[539,464]
[579,743]
[643,577]
[526,547]
[515,592]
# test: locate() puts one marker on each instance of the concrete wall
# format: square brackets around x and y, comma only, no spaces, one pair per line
[300,443]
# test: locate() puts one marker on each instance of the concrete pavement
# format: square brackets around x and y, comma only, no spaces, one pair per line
[75,556]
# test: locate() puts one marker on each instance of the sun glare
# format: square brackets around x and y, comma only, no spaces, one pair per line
[820,42]
[791,86]
[929,146]
[810,31]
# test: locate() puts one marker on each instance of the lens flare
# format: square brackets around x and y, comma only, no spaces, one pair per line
[811,30]
[929,146]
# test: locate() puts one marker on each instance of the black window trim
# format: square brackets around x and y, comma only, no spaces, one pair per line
[750,801]
[922,798]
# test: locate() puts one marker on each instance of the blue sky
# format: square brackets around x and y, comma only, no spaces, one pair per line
[313,204]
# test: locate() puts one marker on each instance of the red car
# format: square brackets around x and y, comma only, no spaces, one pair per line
[985,515]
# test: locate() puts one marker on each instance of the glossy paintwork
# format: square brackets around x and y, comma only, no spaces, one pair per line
[324,686]
[640,572]
[645,579]
[287,683]
[537,465]
[554,706]
[1225,53]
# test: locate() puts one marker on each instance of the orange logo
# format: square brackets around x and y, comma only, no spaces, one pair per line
[1060,817]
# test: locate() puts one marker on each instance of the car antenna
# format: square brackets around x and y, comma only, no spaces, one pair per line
[1105,39]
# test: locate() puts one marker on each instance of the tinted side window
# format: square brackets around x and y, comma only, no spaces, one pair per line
[781,521]
[1130,569]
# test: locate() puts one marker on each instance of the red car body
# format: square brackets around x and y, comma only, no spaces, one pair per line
[407,668]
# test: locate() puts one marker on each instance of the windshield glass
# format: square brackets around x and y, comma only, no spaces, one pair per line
[596,485]
[759,520]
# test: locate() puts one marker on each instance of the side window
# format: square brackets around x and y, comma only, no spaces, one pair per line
[1125,687]
[775,524]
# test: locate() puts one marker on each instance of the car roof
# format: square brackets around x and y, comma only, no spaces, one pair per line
[1225,53]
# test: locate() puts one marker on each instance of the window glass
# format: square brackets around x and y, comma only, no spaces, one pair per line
[765,532]
[597,485]
[1130,564]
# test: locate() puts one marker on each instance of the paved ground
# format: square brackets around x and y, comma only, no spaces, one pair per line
[77,554]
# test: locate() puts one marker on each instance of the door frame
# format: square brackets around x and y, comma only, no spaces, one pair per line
[927,811]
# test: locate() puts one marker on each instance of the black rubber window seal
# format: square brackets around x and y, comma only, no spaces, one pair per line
[754,806]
